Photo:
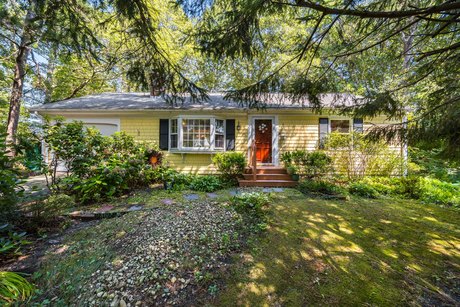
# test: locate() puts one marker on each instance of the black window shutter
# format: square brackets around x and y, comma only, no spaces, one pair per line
[323,131]
[358,125]
[164,134]
[230,134]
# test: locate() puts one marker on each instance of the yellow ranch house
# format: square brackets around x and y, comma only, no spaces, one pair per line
[190,133]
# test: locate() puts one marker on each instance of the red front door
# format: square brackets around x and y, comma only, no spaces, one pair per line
[263,138]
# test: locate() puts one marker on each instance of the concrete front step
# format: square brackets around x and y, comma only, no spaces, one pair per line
[268,177]
[267,183]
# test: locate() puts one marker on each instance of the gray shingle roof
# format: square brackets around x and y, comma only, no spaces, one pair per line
[142,101]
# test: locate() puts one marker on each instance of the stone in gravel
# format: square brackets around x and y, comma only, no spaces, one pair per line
[104,209]
[212,195]
[54,242]
[122,303]
[167,201]
[115,302]
[135,208]
[191,196]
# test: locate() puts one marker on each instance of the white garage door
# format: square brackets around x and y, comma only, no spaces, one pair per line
[105,129]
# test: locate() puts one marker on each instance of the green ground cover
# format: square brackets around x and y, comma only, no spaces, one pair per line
[356,252]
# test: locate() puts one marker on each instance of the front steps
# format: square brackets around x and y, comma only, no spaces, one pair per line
[267,176]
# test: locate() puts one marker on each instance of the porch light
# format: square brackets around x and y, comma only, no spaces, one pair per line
[238,127]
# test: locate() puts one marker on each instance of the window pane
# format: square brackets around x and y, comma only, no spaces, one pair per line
[174,126]
[219,141]
[342,126]
[196,133]
[219,126]
[173,140]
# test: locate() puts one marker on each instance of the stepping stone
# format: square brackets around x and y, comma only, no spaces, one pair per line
[267,190]
[234,192]
[135,208]
[105,208]
[191,196]
[212,195]
[278,190]
[167,201]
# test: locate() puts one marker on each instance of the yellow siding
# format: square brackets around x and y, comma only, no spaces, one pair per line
[298,132]
[146,128]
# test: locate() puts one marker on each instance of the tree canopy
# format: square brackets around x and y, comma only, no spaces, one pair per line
[397,57]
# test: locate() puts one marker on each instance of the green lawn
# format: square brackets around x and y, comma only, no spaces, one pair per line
[356,252]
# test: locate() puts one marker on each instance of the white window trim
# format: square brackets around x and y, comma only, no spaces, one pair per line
[211,148]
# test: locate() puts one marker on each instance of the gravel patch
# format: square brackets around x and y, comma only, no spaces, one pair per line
[168,259]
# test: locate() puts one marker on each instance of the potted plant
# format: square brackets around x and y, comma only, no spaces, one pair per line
[294,172]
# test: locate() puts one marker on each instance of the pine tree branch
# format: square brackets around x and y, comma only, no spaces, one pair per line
[445,7]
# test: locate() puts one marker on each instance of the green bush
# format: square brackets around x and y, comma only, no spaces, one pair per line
[363,190]
[430,163]
[11,242]
[311,164]
[205,183]
[438,192]
[44,211]
[320,188]
[428,190]
[8,185]
[230,165]
[317,163]
[101,167]
[356,156]
[383,185]
[251,204]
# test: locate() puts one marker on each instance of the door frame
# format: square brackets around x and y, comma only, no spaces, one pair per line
[251,136]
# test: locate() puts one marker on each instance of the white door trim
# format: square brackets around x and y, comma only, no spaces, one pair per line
[275,138]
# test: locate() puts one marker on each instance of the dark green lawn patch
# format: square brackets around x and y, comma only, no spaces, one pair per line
[359,252]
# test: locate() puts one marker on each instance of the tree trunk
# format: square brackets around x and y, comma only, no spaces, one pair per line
[16,97]
[18,82]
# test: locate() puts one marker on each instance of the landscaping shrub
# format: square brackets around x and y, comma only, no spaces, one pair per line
[310,164]
[425,189]
[205,183]
[99,167]
[356,156]
[11,242]
[52,207]
[363,190]
[438,192]
[321,188]
[174,180]
[252,204]
[430,163]
[230,165]
[8,185]
[408,187]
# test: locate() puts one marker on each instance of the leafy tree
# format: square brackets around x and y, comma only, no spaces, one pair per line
[77,29]
[396,54]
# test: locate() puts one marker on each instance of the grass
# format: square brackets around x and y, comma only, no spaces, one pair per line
[358,252]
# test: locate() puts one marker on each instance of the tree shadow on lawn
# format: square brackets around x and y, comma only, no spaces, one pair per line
[382,252]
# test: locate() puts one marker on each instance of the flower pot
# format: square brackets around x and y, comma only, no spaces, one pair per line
[295,177]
